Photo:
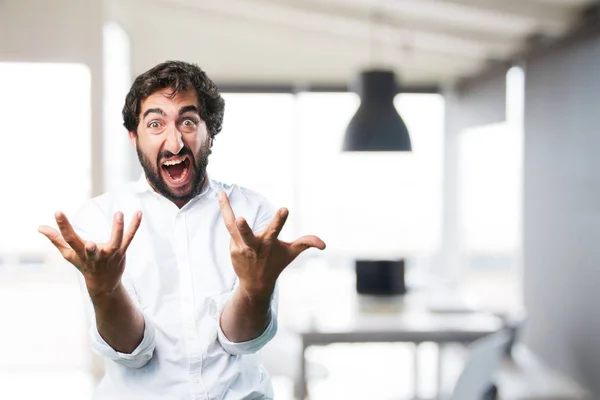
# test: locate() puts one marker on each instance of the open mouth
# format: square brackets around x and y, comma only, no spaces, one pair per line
[176,170]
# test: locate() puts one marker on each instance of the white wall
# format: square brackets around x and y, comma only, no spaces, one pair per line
[562,209]
[59,31]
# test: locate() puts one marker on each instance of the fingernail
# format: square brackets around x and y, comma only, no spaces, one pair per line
[139,214]
[119,216]
[58,215]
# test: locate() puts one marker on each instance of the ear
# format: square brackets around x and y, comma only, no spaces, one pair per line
[132,138]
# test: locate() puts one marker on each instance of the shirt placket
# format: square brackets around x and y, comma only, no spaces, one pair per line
[193,345]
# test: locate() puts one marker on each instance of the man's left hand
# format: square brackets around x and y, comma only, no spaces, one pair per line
[259,259]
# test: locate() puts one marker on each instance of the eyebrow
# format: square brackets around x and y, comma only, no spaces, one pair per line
[183,110]
[190,108]
[154,110]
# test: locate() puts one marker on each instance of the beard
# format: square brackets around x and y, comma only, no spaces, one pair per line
[198,164]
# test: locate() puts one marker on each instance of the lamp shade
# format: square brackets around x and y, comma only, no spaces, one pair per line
[376,126]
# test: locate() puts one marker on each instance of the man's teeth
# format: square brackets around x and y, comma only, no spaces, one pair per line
[173,162]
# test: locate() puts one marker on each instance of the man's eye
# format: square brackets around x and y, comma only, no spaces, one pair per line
[189,122]
[153,125]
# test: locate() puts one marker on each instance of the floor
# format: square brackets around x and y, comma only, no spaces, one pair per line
[43,347]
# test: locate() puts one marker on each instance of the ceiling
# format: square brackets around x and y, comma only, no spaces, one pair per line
[326,42]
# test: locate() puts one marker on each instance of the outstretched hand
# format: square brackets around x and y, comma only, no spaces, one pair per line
[101,265]
[259,259]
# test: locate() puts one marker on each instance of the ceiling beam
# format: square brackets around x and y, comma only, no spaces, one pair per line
[364,10]
[271,53]
[360,29]
[494,17]
[552,16]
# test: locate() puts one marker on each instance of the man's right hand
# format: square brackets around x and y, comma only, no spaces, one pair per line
[102,265]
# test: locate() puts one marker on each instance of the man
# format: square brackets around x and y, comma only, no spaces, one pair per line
[183,317]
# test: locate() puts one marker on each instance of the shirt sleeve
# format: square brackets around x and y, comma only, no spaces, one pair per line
[253,345]
[84,221]
[264,215]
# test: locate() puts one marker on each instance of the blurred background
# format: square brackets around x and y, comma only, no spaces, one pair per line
[487,226]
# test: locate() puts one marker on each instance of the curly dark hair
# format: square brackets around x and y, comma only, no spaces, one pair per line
[180,76]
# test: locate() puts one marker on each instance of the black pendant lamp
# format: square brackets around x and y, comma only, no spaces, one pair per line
[376,126]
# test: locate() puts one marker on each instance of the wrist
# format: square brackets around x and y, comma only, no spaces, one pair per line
[257,292]
[100,292]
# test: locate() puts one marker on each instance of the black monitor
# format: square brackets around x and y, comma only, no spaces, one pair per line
[380,277]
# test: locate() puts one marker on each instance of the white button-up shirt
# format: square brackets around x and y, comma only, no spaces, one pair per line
[179,273]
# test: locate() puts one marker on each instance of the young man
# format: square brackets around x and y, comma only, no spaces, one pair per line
[183,317]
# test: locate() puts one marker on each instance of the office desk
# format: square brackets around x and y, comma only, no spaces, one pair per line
[347,317]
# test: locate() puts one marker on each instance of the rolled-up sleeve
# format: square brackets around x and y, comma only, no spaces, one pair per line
[136,359]
[91,223]
[253,345]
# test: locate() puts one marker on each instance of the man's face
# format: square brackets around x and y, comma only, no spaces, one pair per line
[173,144]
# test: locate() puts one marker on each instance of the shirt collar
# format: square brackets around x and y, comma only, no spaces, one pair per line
[142,185]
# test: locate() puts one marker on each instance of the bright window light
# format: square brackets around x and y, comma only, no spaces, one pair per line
[46,125]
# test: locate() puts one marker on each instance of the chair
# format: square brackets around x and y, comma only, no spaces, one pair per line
[514,324]
[476,381]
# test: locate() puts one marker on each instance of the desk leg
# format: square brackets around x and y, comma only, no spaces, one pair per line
[440,366]
[301,386]
[416,371]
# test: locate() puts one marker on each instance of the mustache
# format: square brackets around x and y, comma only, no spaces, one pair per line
[185,151]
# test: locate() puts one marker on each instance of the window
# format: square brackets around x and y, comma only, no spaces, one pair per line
[288,148]
[490,180]
[254,149]
[490,171]
[490,201]
[371,204]
[45,113]
[46,166]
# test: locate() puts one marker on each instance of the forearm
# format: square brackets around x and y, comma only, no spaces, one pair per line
[246,315]
[118,320]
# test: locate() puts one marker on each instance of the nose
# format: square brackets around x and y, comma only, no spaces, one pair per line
[174,142]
